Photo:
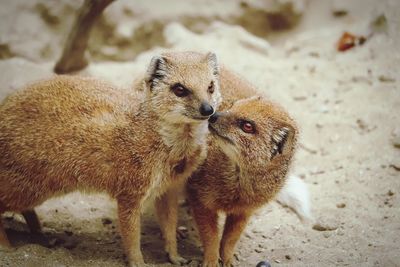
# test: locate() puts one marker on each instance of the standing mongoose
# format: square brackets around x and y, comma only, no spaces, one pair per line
[249,154]
[72,133]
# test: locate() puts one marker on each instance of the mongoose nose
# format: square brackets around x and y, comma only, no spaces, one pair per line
[206,109]
[214,117]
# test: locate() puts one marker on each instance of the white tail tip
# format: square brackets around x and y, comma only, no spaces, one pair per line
[295,195]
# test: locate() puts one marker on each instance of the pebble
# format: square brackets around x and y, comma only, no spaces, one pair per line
[106,221]
[386,79]
[396,142]
[341,205]
[321,226]
[264,264]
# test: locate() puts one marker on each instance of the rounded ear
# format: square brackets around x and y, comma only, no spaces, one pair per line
[213,62]
[283,138]
[156,71]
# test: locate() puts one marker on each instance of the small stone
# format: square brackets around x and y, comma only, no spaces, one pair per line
[324,227]
[386,79]
[396,141]
[106,221]
[264,264]
[258,250]
[277,261]
[341,205]
[390,193]
[299,98]
[339,13]
[314,54]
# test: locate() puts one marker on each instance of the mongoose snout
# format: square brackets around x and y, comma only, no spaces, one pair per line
[206,109]
[264,133]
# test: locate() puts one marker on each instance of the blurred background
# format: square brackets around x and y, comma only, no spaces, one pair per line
[342,89]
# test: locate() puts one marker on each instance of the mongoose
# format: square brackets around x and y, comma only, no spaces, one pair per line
[72,133]
[249,154]
[294,192]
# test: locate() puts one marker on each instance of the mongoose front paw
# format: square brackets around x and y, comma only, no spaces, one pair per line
[177,260]
[137,264]
[227,263]
[211,263]
[137,261]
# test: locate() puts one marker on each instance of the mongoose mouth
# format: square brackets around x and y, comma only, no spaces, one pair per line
[216,133]
[200,118]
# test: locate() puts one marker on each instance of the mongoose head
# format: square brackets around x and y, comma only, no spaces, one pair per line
[184,86]
[255,132]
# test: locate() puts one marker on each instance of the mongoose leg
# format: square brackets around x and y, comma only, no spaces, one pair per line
[4,242]
[32,221]
[207,223]
[234,226]
[167,213]
[129,220]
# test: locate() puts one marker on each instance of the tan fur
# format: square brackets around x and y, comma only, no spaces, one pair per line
[72,133]
[237,178]
[234,179]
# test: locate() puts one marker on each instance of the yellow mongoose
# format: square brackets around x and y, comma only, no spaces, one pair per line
[248,157]
[249,154]
[72,133]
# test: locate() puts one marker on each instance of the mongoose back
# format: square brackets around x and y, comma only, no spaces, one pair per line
[72,133]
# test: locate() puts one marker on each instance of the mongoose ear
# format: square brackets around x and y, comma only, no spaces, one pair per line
[282,139]
[212,60]
[156,71]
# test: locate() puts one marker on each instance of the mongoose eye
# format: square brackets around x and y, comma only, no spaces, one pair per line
[179,90]
[247,127]
[211,88]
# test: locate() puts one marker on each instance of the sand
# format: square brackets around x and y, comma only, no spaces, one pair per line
[346,103]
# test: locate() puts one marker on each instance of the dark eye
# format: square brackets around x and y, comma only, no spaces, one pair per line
[247,127]
[211,88]
[179,90]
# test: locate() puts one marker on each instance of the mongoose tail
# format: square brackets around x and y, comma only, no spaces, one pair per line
[295,195]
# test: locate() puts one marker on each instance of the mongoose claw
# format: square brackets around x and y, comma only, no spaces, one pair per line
[227,263]
[177,260]
[210,264]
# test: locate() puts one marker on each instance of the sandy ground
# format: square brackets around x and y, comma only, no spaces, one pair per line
[347,104]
